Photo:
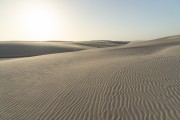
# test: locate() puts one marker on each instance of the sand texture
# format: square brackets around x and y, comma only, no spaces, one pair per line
[134,81]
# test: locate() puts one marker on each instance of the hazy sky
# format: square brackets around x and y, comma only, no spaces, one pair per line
[88,19]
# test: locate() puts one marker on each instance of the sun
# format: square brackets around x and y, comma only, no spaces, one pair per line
[40,23]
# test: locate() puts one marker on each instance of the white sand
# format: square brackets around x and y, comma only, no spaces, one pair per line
[137,81]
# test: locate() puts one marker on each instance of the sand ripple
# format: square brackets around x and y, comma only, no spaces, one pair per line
[103,84]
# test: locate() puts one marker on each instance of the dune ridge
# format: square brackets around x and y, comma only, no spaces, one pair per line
[16,49]
[131,82]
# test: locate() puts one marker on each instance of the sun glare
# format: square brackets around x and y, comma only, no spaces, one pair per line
[40,23]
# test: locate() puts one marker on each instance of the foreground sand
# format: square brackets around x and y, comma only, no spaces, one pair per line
[136,81]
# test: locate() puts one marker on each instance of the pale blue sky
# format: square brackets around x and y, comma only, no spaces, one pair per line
[88,19]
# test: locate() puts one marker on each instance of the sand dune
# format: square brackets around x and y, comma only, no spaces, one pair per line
[28,49]
[136,81]
[101,43]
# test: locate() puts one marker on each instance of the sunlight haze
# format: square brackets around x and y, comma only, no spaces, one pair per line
[88,19]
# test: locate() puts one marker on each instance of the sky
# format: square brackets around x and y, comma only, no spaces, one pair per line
[88,19]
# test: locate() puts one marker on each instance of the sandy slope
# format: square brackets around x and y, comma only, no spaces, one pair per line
[138,81]
[26,49]
[29,49]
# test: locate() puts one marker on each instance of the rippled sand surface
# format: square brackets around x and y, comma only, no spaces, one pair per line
[134,81]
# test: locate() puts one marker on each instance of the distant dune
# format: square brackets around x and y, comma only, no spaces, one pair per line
[101,43]
[28,49]
[91,81]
